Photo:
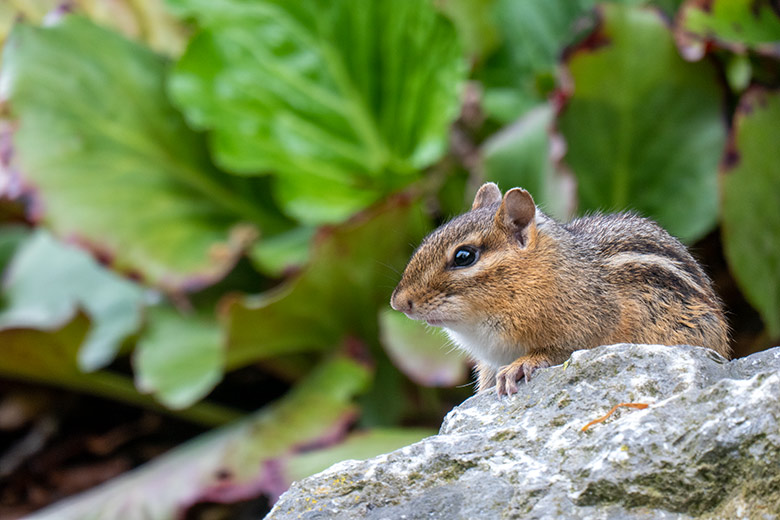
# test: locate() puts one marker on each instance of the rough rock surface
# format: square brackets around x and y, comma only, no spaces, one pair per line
[708,446]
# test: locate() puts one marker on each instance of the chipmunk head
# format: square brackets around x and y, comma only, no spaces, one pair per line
[457,278]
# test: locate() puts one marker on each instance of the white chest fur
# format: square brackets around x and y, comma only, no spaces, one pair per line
[483,344]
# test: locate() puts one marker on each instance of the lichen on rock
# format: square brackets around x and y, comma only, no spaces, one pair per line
[707,446]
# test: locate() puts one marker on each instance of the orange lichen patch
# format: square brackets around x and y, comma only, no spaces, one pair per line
[640,406]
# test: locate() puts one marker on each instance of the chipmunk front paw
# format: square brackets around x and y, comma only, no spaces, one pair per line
[522,367]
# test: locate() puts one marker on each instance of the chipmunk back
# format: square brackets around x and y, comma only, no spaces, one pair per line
[519,291]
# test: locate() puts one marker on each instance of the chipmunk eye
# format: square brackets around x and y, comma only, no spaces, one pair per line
[465,256]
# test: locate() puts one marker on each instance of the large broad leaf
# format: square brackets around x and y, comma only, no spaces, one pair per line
[147,21]
[236,463]
[48,282]
[11,237]
[474,22]
[422,353]
[518,76]
[114,164]
[284,252]
[351,274]
[644,129]
[7,16]
[38,355]
[731,23]
[358,446]
[179,358]
[50,357]
[33,11]
[521,73]
[751,212]
[344,100]
[520,155]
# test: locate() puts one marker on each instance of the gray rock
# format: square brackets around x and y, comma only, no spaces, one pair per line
[708,446]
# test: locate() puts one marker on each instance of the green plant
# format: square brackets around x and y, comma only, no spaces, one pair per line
[248,201]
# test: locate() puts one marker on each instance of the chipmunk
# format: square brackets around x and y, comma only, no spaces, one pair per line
[519,291]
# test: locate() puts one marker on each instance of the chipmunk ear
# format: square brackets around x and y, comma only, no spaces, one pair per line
[517,213]
[486,195]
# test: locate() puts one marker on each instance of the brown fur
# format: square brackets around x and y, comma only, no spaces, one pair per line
[541,289]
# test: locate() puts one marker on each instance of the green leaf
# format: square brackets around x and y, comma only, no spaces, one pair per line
[146,21]
[670,7]
[48,282]
[380,406]
[11,237]
[424,354]
[321,405]
[50,358]
[521,73]
[351,274]
[731,23]
[278,254]
[738,72]
[238,462]
[643,128]
[149,21]
[519,155]
[178,359]
[7,15]
[534,34]
[474,21]
[751,213]
[31,11]
[344,100]
[38,355]
[115,165]
[357,446]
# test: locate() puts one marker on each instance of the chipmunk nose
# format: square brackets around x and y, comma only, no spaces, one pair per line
[401,302]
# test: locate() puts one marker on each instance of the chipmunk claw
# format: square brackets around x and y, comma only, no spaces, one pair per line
[506,379]
[521,368]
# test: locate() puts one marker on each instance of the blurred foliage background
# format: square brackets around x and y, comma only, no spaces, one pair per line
[205,204]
